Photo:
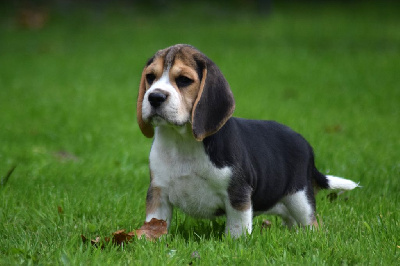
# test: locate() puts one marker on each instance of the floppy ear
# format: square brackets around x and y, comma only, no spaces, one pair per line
[214,104]
[146,128]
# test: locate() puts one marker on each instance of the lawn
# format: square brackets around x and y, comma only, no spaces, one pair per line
[68,126]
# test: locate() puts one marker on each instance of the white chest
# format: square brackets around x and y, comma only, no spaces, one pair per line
[183,171]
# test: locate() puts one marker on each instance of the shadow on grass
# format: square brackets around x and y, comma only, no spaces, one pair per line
[192,229]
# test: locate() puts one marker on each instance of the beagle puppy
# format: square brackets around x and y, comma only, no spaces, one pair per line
[208,163]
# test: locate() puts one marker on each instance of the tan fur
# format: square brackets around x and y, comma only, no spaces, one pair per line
[155,68]
[146,128]
[315,223]
[184,64]
[181,60]
[203,81]
[244,206]
[153,199]
[189,94]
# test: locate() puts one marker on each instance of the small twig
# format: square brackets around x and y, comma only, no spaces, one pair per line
[4,180]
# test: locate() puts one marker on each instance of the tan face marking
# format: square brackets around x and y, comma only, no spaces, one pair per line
[156,69]
[183,105]
[188,93]
[180,81]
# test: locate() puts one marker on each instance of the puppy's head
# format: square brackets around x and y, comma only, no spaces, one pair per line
[180,85]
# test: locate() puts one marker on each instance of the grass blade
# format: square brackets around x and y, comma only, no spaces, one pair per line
[5,179]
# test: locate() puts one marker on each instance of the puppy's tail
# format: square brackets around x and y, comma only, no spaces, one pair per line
[333,182]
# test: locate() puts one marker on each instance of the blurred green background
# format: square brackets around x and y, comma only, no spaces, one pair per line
[69,73]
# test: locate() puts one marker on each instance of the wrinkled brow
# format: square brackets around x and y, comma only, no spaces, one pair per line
[170,57]
[151,60]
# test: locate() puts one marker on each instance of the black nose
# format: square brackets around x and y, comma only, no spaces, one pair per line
[157,98]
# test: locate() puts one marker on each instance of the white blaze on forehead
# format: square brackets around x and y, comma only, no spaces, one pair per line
[163,83]
[172,110]
[171,54]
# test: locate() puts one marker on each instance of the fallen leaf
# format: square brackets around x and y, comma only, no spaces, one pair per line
[153,229]
[266,225]
[335,195]
[332,196]
[30,18]
[64,156]
[95,242]
[333,129]
[195,255]
[120,237]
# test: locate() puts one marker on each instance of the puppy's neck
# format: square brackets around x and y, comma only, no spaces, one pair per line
[178,133]
[176,142]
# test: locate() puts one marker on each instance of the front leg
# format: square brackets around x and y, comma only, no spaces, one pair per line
[157,205]
[238,221]
[238,208]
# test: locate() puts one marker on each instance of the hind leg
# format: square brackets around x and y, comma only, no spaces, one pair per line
[281,210]
[301,208]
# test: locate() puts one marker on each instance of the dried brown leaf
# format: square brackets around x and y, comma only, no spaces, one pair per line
[332,196]
[120,237]
[30,18]
[331,129]
[266,225]
[153,229]
[64,156]
[84,239]
[195,255]
[95,242]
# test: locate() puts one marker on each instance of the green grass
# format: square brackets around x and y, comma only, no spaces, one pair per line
[68,124]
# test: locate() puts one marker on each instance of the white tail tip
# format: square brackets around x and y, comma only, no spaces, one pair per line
[335,182]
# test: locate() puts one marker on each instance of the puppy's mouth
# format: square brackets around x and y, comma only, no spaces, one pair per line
[159,120]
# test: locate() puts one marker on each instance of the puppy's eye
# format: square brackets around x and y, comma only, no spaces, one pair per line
[150,78]
[183,81]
